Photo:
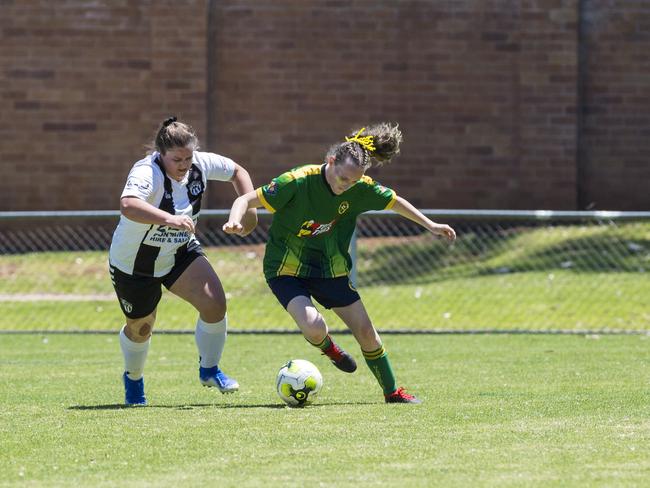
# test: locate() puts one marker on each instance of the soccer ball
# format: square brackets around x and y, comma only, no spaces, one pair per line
[298,383]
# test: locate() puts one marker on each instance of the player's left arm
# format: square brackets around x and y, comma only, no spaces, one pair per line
[243,184]
[407,210]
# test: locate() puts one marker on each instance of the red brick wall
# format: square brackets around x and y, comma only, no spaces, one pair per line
[83,86]
[615,145]
[487,94]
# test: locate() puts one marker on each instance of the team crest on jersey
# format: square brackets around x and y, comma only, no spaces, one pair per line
[128,308]
[343,207]
[195,188]
[311,228]
[272,188]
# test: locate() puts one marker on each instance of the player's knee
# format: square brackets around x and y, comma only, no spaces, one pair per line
[141,329]
[213,311]
[144,330]
[315,323]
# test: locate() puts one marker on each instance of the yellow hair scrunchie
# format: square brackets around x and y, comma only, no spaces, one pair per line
[365,142]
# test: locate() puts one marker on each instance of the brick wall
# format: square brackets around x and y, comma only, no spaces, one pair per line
[83,86]
[484,92]
[614,161]
[488,94]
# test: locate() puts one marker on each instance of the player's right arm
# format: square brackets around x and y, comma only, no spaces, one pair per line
[239,208]
[137,210]
[144,187]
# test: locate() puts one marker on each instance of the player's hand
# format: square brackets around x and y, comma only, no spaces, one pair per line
[444,231]
[249,221]
[233,228]
[181,222]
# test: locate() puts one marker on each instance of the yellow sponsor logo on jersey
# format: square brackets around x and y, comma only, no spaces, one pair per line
[343,207]
[311,228]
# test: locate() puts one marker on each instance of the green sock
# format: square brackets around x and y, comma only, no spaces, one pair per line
[379,364]
[324,344]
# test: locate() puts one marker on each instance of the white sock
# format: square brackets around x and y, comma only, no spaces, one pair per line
[210,340]
[135,355]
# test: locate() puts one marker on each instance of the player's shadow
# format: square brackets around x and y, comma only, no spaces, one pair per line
[121,406]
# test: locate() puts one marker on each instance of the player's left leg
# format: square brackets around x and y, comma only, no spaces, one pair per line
[199,285]
[356,318]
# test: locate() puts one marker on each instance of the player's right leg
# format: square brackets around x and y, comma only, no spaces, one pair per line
[135,338]
[314,329]
[138,298]
[308,319]
[295,297]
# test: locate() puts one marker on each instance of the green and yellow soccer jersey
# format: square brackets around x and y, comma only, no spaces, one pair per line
[312,227]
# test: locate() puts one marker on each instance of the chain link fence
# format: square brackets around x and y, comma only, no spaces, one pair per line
[507,271]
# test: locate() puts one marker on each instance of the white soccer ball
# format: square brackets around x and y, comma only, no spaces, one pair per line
[298,383]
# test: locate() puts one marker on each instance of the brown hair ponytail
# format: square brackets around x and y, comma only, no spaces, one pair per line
[172,133]
[376,144]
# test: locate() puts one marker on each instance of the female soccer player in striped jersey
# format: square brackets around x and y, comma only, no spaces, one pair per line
[314,215]
[154,244]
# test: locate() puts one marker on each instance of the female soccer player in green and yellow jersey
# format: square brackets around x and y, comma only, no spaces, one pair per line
[314,215]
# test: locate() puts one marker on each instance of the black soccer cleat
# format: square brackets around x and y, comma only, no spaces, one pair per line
[340,358]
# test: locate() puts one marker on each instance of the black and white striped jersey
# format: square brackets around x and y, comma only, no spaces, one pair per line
[150,250]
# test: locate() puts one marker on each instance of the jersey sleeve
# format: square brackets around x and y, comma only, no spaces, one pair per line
[142,183]
[215,166]
[278,192]
[376,196]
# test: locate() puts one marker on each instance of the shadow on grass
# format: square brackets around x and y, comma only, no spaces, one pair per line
[115,406]
[120,406]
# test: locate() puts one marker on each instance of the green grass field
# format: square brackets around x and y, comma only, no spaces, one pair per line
[519,301]
[565,277]
[499,410]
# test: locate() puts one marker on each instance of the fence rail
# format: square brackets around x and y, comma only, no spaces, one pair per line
[511,271]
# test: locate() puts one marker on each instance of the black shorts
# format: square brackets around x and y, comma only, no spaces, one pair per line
[329,292]
[139,295]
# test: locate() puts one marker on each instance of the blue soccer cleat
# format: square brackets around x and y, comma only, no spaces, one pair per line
[215,377]
[133,391]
